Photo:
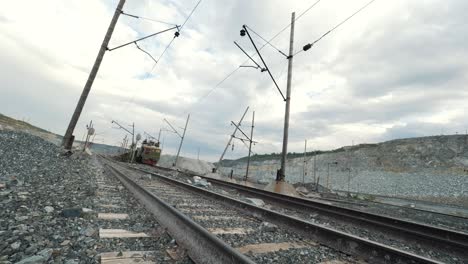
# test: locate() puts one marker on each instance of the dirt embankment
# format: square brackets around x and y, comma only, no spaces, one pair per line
[11,124]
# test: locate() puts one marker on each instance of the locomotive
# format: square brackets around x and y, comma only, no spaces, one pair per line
[149,153]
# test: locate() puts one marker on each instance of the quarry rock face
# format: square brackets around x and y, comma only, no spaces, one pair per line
[433,167]
[417,153]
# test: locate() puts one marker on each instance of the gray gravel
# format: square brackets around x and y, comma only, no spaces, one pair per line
[40,183]
[49,207]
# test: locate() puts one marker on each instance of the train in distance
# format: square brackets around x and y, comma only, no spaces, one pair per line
[149,153]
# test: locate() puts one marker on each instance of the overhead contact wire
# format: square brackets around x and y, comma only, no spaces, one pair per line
[218,84]
[271,39]
[149,19]
[138,47]
[193,10]
[338,25]
[297,18]
[176,35]
[267,42]
[159,21]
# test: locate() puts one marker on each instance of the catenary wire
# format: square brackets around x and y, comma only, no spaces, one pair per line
[149,19]
[164,51]
[257,65]
[267,42]
[282,72]
[224,79]
[138,47]
[159,21]
[254,54]
[338,25]
[297,18]
[188,17]
[156,61]
[175,36]
[236,69]
[218,84]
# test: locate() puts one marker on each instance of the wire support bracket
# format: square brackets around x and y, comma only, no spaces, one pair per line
[263,61]
[140,39]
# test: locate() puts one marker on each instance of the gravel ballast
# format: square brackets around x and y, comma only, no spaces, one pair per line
[363,230]
[50,202]
[41,184]
[210,213]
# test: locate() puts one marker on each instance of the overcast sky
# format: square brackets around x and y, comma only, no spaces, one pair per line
[398,69]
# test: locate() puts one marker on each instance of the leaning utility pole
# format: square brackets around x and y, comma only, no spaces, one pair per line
[181,140]
[250,146]
[68,137]
[284,154]
[230,139]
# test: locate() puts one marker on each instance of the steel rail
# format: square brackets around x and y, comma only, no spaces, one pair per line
[461,217]
[201,245]
[372,251]
[452,241]
[234,185]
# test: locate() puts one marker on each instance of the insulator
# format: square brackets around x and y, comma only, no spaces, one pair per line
[176,34]
[307,47]
[242,32]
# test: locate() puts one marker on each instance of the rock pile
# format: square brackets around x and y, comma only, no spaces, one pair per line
[199,182]
[194,165]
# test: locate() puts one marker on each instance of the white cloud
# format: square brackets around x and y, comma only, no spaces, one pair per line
[395,69]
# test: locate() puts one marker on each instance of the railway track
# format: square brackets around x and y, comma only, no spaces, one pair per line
[240,221]
[435,218]
[126,232]
[431,218]
[443,244]
[407,209]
